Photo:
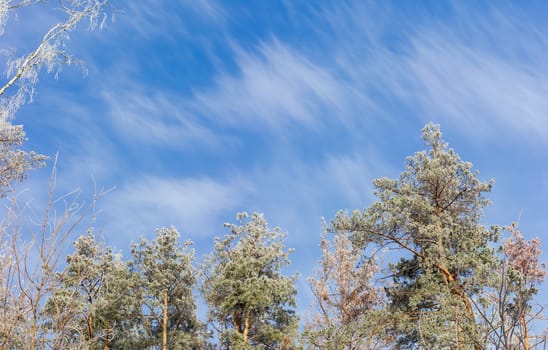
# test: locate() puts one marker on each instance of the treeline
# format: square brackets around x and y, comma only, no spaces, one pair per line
[414,270]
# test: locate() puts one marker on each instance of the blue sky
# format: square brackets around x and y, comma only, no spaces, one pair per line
[197,110]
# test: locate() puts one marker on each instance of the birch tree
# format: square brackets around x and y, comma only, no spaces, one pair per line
[346,298]
[510,314]
[49,54]
[32,253]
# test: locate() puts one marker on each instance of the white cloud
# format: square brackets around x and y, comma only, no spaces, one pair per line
[195,206]
[152,20]
[155,118]
[274,87]
[485,74]
[474,87]
[293,197]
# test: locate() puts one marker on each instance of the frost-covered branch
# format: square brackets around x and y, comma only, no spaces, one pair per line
[22,76]
[51,53]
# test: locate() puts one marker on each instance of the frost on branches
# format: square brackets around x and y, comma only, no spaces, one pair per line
[22,73]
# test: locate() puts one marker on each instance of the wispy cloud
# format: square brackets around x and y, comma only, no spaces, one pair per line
[206,8]
[475,88]
[169,19]
[294,197]
[155,118]
[197,206]
[477,75]
[273,87]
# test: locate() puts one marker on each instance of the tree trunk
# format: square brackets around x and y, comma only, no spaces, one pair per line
[35,305]
[449,278]
[164,322]
[246,326]
[33,331]
[525,332]
[90,329]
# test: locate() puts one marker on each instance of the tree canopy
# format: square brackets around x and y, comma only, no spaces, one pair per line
[416,269]
[250,301]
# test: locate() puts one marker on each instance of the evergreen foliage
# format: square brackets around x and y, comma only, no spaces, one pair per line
[164,292]
[251,302]
[415,270]
[92,304]
[431,216]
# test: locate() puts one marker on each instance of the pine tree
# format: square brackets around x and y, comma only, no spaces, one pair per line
[92,304]
[167,279]
[251,303]
[431,216]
